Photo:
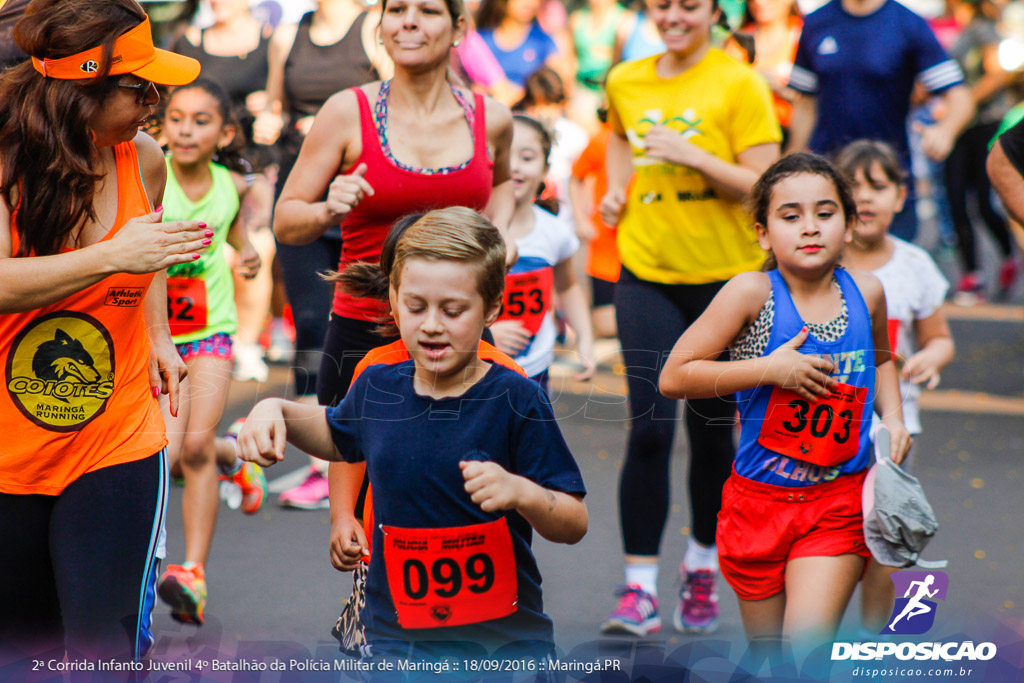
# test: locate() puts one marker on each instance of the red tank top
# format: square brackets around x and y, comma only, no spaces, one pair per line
[398,192]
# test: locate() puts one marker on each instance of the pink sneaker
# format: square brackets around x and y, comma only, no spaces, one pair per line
[970,291]
[311,494]
[635,613]
[698,602]
[1008,273]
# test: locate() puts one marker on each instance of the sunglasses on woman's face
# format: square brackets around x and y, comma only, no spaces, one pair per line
[141,90]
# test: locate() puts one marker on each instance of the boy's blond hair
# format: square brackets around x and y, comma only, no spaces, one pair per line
[456,234]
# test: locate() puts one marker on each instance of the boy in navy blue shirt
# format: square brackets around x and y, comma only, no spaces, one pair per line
[465,459]
[855,68]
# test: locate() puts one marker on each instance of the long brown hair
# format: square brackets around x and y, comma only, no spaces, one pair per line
[46,148]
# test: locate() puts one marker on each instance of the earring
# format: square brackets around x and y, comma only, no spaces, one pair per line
[380,40]
[456,43]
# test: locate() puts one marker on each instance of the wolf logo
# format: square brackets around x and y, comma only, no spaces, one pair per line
[64,359]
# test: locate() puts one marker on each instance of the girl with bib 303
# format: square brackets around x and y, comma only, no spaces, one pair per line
[810,359]
[83,331]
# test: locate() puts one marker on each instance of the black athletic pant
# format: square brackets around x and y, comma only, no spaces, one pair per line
[75,567]
[651,317]
[348,341]
[966,176]
[310,298]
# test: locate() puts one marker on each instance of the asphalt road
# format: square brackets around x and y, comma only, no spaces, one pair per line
[273,593]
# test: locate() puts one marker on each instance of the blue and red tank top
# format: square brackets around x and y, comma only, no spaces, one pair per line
[400,191]
[789,441]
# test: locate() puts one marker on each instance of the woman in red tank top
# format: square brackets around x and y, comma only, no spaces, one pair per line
[411,144]
[83,347]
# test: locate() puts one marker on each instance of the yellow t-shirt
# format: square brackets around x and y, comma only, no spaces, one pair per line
[676,229]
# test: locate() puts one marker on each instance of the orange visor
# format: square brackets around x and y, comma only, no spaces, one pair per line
[134,53]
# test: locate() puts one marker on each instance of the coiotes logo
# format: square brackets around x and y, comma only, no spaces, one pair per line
[60,370]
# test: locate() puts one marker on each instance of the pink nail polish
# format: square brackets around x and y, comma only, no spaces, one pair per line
[160,208]
[156,391]
[202,225]
[196,257]
[209,233]
[207,242]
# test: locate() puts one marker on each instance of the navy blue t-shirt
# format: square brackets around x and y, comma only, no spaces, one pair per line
[412,446]
[862,71]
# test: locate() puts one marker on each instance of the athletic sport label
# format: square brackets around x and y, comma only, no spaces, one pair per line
[60,370]
[527,298]
[451,577]
[186,305]
[825,432]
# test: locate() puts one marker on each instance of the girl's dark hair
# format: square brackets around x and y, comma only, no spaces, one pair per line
[861,155]
[549,204]
[46,147]
[490,14]
[372,280]
[231,155]
[793,164]
[543,86]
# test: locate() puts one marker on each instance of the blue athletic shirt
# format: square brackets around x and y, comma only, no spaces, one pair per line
[519,62]
[862,70]
[412,446]
[854,357]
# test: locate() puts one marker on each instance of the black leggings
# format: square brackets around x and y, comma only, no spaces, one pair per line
[651,317]
[966,175]
[348,341]
[75,567]
[311,298]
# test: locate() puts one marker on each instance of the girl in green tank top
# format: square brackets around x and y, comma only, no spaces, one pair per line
[202,316]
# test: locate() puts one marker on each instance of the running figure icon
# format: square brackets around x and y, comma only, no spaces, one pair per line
[914,606]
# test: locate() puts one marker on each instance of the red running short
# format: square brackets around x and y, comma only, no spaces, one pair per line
[761,527]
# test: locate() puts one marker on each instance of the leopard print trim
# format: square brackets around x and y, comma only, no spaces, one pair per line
[350,630]
[753,342]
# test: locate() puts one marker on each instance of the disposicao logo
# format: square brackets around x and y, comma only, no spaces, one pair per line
[914,614]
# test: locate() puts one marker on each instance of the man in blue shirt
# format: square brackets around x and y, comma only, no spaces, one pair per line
[854,72]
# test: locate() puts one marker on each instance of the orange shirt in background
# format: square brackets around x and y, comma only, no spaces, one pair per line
[602,252]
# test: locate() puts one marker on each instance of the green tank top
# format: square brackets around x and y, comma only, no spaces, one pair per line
[217,208]
[594,48]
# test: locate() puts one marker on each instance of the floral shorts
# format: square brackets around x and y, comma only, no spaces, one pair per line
[217,346]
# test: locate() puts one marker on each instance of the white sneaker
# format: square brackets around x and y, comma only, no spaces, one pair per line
[249,365]
[281,348]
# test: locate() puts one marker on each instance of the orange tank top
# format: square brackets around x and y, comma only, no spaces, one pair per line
[76,392]
[397,352]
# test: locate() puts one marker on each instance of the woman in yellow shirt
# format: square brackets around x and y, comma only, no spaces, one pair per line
[697,128]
